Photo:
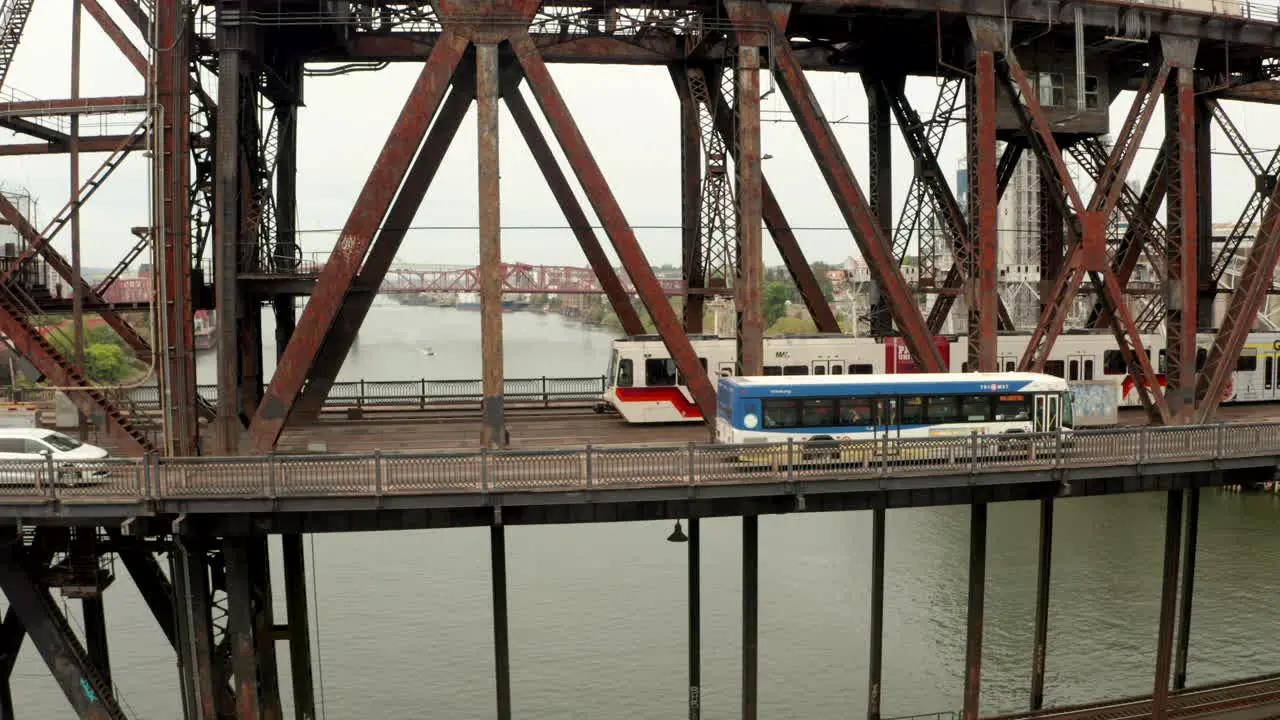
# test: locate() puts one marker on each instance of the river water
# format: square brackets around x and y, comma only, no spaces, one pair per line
[598,616]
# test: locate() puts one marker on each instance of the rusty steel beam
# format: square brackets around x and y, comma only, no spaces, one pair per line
[1241,313]
[92,144]
[880,186]
[749,285]
[784,238]
[357,235]
[616,226]
[136,15]
[573,213]
[493,428]
[113,31]
[74,106]
[382,255]
[690,199]
[1181,252]
[853,205]
[982,235]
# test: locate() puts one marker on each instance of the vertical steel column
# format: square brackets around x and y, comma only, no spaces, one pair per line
[190,572]
[295,598]
[1052,239]
[982,296]
[501,650]
[1168,599]
[880,188]
[977,590]
[690,201]
[240,628]
[695,619]
[1041,636]
[493,432]
[73,152]
[172,163]
[750,612]
[1205,311]
[876,660]
[749,287]
[1188,587]
[263,624]
[226,235]
[1182,257]
[95,635]
[286,249]
[12,634]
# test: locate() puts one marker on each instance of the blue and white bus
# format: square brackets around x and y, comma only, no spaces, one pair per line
[774,409]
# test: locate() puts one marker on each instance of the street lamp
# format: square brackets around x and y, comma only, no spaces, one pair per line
[677,535]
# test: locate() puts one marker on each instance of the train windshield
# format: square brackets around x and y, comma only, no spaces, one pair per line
[1066,410]
[613,369]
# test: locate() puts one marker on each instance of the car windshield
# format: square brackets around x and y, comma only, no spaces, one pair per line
[61,442]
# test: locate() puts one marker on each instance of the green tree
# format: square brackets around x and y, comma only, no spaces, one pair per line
[776,295]
[106,363]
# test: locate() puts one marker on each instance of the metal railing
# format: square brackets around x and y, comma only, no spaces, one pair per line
[398,394]
[609,467]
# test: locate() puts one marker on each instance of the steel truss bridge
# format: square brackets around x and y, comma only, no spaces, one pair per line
[216,106]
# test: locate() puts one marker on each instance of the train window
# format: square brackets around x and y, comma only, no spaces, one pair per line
[943,409]
[1008,366]
[975,408]
[680,376]
[1247,363]
[818,412]
[819,369]
[1201,356]
[860,369]
[1055,368]
[781,413]
[837,369]
[772,370]
[912,410]
[659,371]
[625,373]
[856,412]
[1011,408]
[1268,366]
[1164,362]
[795,370]
[1113,362]
[1074,370]
[1088,369]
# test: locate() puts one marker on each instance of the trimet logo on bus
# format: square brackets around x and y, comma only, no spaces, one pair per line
[995,386]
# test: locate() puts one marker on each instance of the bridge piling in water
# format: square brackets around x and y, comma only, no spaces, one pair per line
[1188,586]
[977,599]
[1044,568]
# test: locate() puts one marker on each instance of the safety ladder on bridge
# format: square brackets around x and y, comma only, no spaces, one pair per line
[95,181]
[13,20]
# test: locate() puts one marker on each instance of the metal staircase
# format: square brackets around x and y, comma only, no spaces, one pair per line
[30,343]
[13,20]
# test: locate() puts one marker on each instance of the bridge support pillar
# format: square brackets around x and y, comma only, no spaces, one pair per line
[880,188]
[1168,600]
[977,589]
[749,285]
[695,619]
[1041,632]
[691,270]
[95,635]
[750,612]
[295,593]
[1188,587]
[12,633]
[487,92]
[249,629]
[192,599]
[501,651]
[876,621]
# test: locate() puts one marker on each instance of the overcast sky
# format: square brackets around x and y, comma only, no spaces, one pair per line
[628,115]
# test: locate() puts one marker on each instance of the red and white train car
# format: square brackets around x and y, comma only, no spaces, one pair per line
[644,386]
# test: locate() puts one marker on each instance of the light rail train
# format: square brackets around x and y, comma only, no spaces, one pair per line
[643,385]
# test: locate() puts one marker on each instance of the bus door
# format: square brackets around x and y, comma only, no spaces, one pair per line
[1047,415]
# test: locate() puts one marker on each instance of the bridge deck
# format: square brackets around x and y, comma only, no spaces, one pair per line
[1256,698]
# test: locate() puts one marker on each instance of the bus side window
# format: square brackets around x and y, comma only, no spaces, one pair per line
[772,370]
[856,412]
[1054,368]
[1074,370]
[781,413]
[1013,408]
[817,412]
[943,409]
[625,373]
[912,412]
[659,371]
[975,408]
[1088,369]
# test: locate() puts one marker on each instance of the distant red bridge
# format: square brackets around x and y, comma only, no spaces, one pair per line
[517,278]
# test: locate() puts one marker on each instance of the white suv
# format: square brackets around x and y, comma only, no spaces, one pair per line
[22,448]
